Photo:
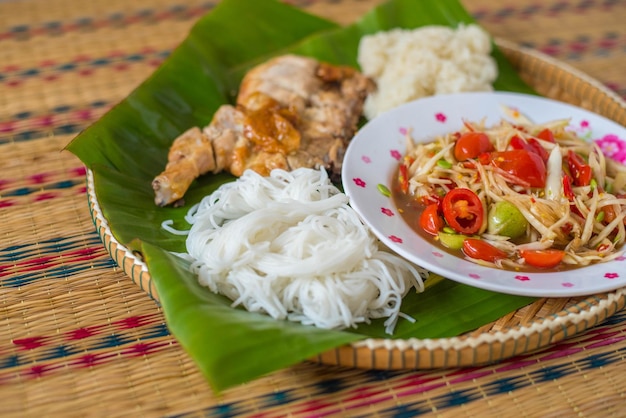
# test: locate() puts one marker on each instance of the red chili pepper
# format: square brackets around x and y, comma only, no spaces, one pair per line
[580,170]
[403,178]
[524,165]
[569,193]
[463,210]
[567,228]
[567,187]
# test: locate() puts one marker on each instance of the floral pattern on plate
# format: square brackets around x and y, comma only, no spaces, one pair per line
[373,156]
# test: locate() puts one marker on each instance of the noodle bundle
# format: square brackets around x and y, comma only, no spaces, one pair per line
[290,246]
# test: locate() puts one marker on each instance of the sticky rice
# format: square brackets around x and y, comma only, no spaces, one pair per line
[431,60]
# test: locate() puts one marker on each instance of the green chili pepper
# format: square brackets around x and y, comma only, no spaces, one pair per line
[444,163]
[383,190]
[449,230]
[600,216]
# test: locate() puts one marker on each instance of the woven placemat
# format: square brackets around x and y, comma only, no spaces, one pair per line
[79,338]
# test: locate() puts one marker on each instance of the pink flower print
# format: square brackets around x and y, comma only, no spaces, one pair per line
[403,130]
[359,182]
[620,258]
[387,212]
[567,284]
[366,159]
[614,147]
[395,154]
[395,239]
[583,129]
[522,278]
[474,276]
[440,117]
[437,254]
[611,275]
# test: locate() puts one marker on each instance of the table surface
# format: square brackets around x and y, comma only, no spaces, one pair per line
[79,338]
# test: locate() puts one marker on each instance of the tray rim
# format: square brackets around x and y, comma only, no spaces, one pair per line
[414,353]
[365,353]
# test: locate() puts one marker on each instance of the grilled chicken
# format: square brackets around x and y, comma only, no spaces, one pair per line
[291,112]
[190,156]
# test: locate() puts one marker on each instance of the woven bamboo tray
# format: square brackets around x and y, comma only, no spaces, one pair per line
[533,327]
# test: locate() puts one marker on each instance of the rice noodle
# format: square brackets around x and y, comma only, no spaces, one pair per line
[290,246]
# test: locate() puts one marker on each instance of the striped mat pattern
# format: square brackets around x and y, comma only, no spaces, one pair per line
[77,338]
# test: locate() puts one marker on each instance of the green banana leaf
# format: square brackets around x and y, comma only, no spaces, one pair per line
[128,146]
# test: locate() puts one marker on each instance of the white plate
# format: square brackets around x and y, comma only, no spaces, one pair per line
[372,159]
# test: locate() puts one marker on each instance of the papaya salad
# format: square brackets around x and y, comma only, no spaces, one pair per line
[515,196]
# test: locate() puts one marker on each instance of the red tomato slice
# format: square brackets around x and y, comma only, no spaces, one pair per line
[463,210]
[526,166]
[482,250]
[517,142]
[546,135]
[542,258]
[530,145]
[537,148]
[580,170]
[430,221]
[471,145]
